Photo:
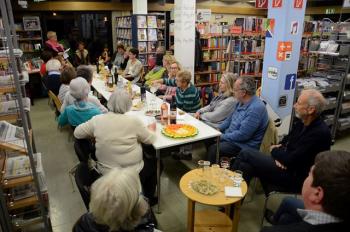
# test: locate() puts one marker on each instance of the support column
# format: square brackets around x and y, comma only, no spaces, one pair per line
[184,33]
[139,7]
[282,51]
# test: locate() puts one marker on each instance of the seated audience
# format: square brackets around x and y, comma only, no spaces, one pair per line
[116,205]
[81,110]
[126,59]
[222,105]
[291,160]
[152,59]
[118,56]
[52,81]
[167,61]
[164,91]
[245,127]
[106,56]
[85,72]
[67,75]
[156,73]
[134,67]
[325,193]
[81,56]
[118,136]
[45,56]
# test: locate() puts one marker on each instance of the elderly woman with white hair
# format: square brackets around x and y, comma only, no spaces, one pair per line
[116,205]
[222,105]
[52,80]
[81,110]
[118,136]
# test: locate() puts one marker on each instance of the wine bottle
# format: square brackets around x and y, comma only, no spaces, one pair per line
[173,111]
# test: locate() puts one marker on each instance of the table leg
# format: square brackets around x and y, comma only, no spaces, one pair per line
[228,210]
[190,215]
[158,179]
[235,219]
[217,150]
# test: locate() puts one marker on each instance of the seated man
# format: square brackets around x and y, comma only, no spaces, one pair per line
[245,127]
[325,194]
[291,160]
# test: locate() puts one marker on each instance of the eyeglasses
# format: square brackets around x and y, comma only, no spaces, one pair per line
[173,67]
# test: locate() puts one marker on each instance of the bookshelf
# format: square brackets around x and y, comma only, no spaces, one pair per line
[23,187]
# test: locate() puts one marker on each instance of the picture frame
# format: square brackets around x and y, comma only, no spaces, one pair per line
[31,23]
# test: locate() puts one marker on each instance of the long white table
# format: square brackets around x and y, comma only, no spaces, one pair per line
[162,142]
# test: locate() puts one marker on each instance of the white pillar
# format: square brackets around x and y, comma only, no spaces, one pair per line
[139,6]
[184,33]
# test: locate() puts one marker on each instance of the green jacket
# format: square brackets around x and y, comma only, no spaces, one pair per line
[154,75]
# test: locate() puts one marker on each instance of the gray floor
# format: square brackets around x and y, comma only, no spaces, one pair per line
[66,204]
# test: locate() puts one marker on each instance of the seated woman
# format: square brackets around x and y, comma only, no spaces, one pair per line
[51,44]
[67,75]
[157,72]
[116,205]
[81,56]
[134,67]
[118,56]
[82,110]
[52,80]
[222,105]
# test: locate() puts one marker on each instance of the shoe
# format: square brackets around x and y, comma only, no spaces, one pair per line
[181,156]
[269,216]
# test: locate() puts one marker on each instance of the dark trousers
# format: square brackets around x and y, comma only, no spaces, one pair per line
[256,164]
[287,211]
[225,149]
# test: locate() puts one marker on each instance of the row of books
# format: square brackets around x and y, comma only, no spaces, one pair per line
[147,47]
[125,42]
[245,46]
[124,33]
[250,24]
[123,21]
[147,21]
[245,68]
[215,42]
[211,78]
[147,35]
[212,55]
[217,66]
[318,26]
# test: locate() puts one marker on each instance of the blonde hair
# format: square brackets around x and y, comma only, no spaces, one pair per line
[185,76]
[230,79]
[51,34]
[169,59]
[116,200]
[178,64]
[53,65]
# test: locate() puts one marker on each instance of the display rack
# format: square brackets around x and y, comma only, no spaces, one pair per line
[24,199]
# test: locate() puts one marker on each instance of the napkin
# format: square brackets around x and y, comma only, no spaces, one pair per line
[233,191]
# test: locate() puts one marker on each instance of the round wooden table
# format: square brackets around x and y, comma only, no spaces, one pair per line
[211,220]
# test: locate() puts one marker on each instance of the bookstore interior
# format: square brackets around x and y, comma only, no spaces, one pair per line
[240,106]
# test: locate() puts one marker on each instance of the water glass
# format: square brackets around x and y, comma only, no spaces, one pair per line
[206,169]
[237,178]
[152,123]
[201,166]
[215,169]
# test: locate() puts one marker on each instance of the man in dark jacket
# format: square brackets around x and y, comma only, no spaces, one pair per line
[291,160]
[325,193]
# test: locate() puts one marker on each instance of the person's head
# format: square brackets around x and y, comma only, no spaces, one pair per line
[53,65]
[175,67]
[81,45]
[227,82]
[159,60]
[133,53]
[120,49]
[116,200]
[52,36]
[244,89]
[67,75]
[309,105]
[167,60]
[119,102]
[79,88]
[327,188]
[85,72]
[160,50]
[183,78]
[46,55]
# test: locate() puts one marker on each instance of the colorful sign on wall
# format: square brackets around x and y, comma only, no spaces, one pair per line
[261,4]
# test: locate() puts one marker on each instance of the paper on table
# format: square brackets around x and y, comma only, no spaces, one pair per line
[233,191]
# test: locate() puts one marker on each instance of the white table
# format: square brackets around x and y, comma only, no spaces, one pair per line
[162,142]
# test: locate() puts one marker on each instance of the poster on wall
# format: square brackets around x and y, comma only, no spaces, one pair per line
[203,15]
[261,4]
[298,4]
[277,3]
[346,4]
[269,27]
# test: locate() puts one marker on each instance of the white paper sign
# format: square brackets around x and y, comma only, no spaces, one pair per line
[203,15]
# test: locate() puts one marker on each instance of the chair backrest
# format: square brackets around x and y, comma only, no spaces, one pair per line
[55,100]
[270,137]
[83,149]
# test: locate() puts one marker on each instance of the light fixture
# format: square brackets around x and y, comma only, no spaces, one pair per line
[54,14]
[105,19]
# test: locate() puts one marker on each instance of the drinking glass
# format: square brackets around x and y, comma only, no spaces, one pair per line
[206,169]
[201,166]
[225,164]
[215,169]
[237,178]
[152,123]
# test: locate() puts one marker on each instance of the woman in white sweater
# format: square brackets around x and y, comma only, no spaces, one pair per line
[118,136]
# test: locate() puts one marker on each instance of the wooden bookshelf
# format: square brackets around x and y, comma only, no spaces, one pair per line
[10,183]
[7,90]
[29,201]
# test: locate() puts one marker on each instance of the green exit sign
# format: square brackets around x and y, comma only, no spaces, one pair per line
[330,11]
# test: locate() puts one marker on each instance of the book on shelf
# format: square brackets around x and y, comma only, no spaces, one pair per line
[160,23]
[160,35]
[141,21]
[142,34]
[142,46]
[152,34]
[19,165]
[151,21]
[12,134]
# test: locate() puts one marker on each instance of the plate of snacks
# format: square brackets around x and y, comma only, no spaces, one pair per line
[179,131]
[204,187]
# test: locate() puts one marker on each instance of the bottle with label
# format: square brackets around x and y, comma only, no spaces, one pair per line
[173,111]
[164,113]
[130,88]
[116,75]
[110,81]
[143,93]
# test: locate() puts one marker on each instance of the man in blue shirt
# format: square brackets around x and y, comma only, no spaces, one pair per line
[245,127]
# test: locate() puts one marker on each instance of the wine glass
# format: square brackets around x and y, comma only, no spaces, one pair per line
[225,164]
[153,88]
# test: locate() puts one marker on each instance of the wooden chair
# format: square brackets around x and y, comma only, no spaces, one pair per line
[55,100]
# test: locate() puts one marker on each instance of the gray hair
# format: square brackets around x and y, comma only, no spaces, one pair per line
[119,102]
[248,84]
[315,99]
[116,200]
[53,65]
[230,79]
[79,88]
[85,72]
